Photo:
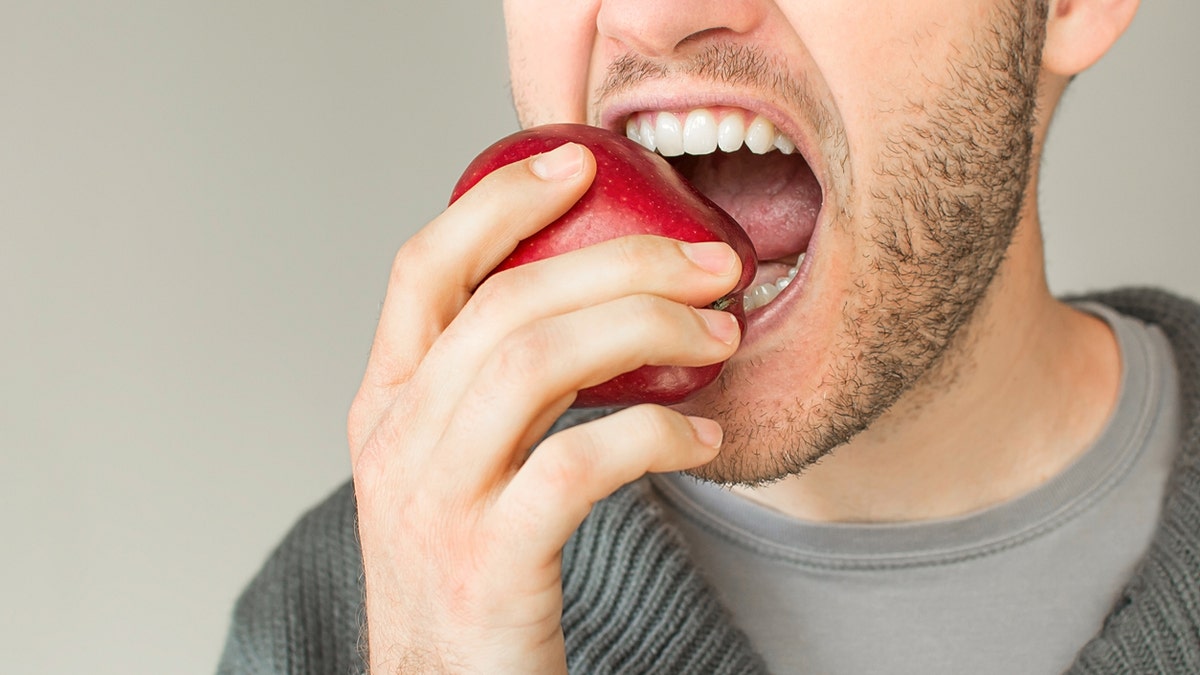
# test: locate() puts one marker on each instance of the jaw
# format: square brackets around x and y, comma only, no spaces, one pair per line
[879,301]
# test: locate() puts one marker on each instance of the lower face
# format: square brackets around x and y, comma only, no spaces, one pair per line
[912,151]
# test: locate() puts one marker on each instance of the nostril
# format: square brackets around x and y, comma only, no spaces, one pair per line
[702,36]
[658,29]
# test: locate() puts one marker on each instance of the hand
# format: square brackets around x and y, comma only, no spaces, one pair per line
[461,527]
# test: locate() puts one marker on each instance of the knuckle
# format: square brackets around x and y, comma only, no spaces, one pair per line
[358,420]
[639,253]
[504,176]
[569,463]
[524,353]
[654,309]
[493,296]
[370,465]
[497,191]
[382,449]
[409,259]
[653,424]
[647,320]
[371,421]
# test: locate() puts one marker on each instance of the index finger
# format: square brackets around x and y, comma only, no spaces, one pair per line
[435,272]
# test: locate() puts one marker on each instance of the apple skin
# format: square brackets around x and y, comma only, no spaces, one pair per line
[635,192]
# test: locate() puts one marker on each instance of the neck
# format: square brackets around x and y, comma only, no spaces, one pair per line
[1026,388]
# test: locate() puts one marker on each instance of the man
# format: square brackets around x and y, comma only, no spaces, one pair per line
[935,466]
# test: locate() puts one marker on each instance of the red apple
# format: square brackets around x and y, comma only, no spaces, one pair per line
[635,192]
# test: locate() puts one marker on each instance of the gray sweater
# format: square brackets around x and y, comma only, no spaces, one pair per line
[633,603]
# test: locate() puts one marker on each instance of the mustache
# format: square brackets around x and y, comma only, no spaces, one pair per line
[720,63]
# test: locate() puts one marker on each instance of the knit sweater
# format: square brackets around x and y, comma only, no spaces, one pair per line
[633,602]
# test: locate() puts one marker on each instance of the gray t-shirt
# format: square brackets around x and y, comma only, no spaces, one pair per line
[1016,588]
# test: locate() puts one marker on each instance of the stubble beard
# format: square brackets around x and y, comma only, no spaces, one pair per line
[947,196]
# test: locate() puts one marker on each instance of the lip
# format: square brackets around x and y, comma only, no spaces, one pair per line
[772,315]
[618,110]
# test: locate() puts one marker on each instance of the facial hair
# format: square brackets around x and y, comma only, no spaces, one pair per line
[945,197]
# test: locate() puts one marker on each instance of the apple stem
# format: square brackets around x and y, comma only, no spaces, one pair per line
[722,303]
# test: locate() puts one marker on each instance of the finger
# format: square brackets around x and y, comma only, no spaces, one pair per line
[538,364]
[693,274]
[570,471]
[434,272]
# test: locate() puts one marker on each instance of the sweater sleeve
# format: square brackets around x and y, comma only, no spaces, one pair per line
[303,612]
[1155,626]
[634,603]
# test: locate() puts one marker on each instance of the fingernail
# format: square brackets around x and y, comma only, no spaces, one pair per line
[721,325]
[714,257]
[560,163]
[708,432]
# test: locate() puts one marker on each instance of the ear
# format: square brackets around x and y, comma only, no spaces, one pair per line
[1079,32]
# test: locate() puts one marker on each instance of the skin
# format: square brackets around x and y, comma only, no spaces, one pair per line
[921,359]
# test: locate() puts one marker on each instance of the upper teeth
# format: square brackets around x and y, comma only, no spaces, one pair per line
[699,133]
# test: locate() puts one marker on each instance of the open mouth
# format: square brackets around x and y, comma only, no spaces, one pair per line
[754,172]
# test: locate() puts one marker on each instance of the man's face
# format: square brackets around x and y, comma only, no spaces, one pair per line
[912,123]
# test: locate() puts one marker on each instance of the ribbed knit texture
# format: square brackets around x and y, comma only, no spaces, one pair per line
[303,612]
[633,603]
[1155,627]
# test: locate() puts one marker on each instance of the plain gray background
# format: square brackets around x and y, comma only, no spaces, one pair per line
[200,202]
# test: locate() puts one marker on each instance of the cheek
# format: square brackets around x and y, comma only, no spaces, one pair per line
[549,51]
[881,60]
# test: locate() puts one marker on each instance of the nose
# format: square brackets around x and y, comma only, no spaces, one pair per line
[663,28]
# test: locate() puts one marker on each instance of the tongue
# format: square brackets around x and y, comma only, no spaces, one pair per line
[775,197]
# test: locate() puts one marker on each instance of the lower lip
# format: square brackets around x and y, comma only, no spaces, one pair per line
[768,317]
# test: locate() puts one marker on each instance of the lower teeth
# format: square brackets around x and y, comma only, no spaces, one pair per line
[763,293]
